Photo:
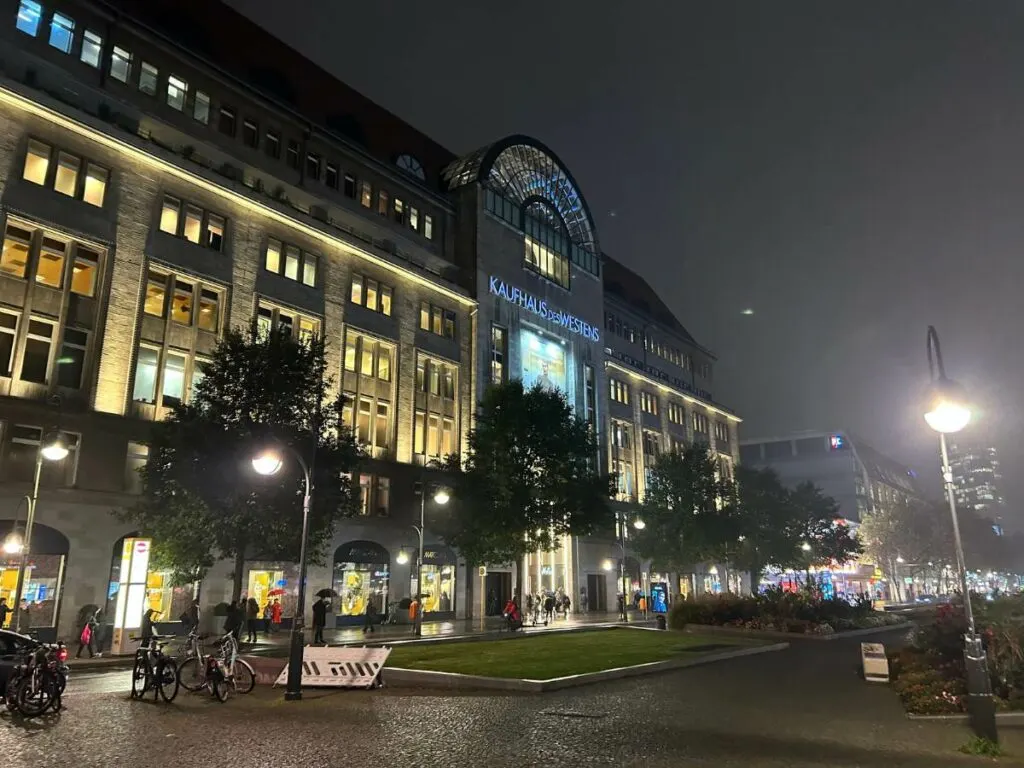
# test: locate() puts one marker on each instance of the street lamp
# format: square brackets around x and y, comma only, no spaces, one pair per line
[441,496]
[639,524]
[946,411]
[269,462]
[52,447]
[402,558]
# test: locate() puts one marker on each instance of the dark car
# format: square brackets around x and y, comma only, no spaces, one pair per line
[13,648]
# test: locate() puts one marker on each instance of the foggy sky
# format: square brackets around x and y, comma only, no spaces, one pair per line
[851,171]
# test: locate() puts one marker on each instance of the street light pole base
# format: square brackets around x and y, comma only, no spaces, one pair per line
[293,696]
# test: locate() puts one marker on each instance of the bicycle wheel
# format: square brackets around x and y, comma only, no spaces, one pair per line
[140,678]
[192,674]
[34,700]
[11,693]
[244,676]
[167,679]
[221,688]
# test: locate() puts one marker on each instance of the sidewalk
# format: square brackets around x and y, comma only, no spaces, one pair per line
[391,634]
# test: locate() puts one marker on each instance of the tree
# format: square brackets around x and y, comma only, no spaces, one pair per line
[917,533]
[688,510]
[769,527]
[820,525]
[202,502]
[528,479]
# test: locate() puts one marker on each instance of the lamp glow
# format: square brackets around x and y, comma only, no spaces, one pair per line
[947,409]
[13,544]
[899,559]
[805,547]
[54,448]
[267,462]
[607,565]
[639,524]
[402,558]
[441,496]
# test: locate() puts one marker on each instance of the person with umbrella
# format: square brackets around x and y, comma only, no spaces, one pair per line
[273,610]
[320,614]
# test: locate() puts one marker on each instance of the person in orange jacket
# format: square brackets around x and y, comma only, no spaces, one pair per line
[414,608]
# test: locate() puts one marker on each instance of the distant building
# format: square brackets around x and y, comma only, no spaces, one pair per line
[858,477]
[977,478]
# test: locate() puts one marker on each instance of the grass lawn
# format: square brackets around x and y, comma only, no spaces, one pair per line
[546,655]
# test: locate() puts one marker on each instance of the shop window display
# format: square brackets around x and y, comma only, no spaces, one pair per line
[361,571]
[43,575]
[268,582]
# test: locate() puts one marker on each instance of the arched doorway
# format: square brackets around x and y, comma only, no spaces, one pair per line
[44,577]
[362,570]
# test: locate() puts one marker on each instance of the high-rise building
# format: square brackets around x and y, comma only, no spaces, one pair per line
[977,478]
[169,170]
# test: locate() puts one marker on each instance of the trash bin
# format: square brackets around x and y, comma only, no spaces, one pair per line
[660,621]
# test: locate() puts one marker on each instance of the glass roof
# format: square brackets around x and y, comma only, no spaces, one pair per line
[522,169]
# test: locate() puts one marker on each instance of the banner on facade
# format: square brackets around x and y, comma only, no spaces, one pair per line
[339,667]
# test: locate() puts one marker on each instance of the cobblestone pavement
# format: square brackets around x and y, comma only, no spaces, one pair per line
[801,707]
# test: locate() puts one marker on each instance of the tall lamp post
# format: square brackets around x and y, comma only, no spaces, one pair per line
[947,412]
[52,448]
[620,520]
[440,497]
[268,462]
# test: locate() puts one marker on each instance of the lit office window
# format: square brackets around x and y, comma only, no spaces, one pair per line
[50,269]
[92,48]
[37,162]
[177,92]
[83,271]
[428,226]
[201,109]
[62,33]
[148,76]
[8,334]
[67,174]
[29,13]
[121,64]
[14,256]
[95,185]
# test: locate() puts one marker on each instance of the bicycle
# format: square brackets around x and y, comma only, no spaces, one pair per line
[221,673]
[153,669]
[38,683]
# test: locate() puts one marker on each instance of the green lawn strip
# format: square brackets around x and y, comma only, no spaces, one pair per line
[544,656]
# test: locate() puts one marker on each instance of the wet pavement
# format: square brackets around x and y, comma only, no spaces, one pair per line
[800,707]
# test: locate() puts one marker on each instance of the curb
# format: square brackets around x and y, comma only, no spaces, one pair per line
[701,629]
[452,680]
[964,717]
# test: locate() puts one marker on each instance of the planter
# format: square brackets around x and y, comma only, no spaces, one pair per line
[769,634]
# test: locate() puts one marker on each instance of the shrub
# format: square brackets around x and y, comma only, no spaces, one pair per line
[929,692]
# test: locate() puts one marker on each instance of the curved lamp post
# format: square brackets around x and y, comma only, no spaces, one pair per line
[52,447]
[441,496]
[947,411]
[639,524]
[269,462]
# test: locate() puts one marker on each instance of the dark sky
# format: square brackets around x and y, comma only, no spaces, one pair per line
[852,172]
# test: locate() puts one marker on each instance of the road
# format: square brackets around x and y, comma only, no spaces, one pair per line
[800,707]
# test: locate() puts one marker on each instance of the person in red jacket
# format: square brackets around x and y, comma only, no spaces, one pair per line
[512,616]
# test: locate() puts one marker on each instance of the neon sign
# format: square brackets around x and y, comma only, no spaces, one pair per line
[541,308]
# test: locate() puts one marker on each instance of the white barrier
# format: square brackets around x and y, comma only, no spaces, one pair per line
[339,667]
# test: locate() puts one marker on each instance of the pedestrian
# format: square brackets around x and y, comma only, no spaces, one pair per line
[25,621]
[369,616]
[268,613]
[319,620]
[584,605]
[5,612]
[529,609]
[193,615]
[549,609]
[642,605]
[88,636]
[513,619]
[146,631]
[414,610]
[275,616]
[446,602]
[233,620]
[566,605]
[252,615]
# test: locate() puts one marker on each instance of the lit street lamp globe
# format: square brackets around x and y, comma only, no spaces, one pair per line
[54,447]
[402,558]
[947,409]
[13,544]
[267,462]
[639,524]
[441,496]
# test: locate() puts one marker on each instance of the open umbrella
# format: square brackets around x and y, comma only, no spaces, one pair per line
[277,592]
[325,592]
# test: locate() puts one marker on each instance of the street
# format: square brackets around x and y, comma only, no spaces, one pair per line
[801,707]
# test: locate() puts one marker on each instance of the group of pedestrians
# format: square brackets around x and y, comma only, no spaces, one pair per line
[247,615]
[543,608]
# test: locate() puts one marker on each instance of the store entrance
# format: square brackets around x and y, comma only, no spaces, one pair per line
[498,591]
[597,592]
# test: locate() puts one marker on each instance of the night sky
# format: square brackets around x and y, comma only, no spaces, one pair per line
[851,172]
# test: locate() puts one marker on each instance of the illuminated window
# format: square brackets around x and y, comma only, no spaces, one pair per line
[421,374]
[399,211]
[382,203]
[365,194]
[291,262]
[177,93]
[618,391]
[148,76]
[309,270]
[351,341]
[67,174]
[156,294]
[50,270]
[356,294]
[700,422]
[385,300]
[37,162]
[448,383]
[29,13]
[201,108]
[121,64]
[173,385]
[380,427]
[428,226]
[433,435]
[272,262]
[214,232]
[649,403]
[14,257]
[435,379]
[447,436]
[92,48]
[419,442]
[62,32]
[193,223]
[437,320]
[8,334]
[83,271]
[308,330]
[721,432]
[547,262]
[499,351]
[366,366]
[146,366]
[371,294]
[169,215]
[71,362]
[135,462]
[363,420]
[414,218]
[384,363]
[35,366]
[95,185]
[294,262]
[209,302]
[181,303]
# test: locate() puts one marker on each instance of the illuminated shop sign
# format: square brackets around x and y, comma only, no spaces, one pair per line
[540,307]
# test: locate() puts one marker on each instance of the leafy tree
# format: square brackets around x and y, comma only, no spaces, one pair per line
[819,525]
[528,478]
[202,502]
[769,527]
[916,532]
[690,513]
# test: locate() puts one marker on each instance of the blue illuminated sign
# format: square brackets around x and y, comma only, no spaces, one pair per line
[541,308]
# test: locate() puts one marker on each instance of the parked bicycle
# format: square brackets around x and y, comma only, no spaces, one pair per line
[222,673]
[154,670]
[38,682]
